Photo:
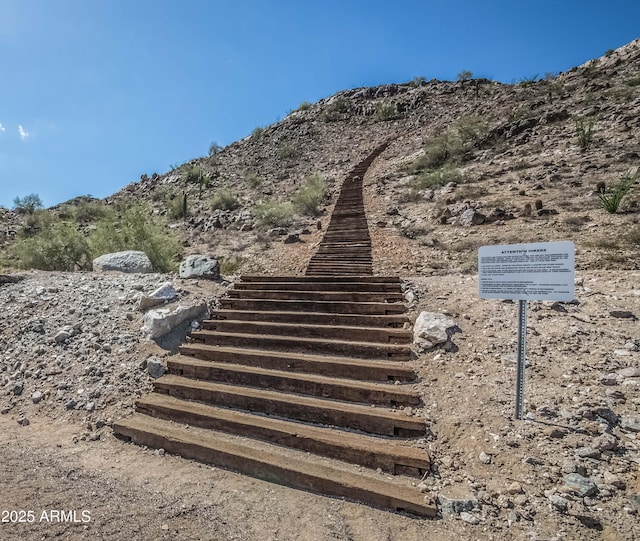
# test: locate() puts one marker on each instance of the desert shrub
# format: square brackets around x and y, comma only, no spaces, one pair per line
[59,247]
[304,106]
[465,75]
[274,214]
[610,200]
[385,111]
[36,222]
[214,149]
[584,131]
[133,227]
[439,150]
[230,265]
[253,180]
[438,178]
[177,207]
[528,81]
[417,81]
[224,200]
[308,198]
[197,175]
[632,81]
[257,132]
[83,210]
[287,152]
[633,236]
[27,204]
[336,109]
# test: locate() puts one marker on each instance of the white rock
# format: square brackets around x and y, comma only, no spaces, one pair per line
[159,322]
[128,261]
[432,329]
[165,293]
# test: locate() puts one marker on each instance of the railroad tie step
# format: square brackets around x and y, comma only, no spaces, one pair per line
[385,394]
[339,367]
[381,421]
[371,350]
[399,457]
[276,464]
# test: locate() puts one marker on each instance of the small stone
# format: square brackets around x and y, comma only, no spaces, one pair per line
[23,421]
[18,388]
[631,423]
[37,397]
[61,336]
[630,372]
[515,488]
[613,480]
[469,518]
[155,368]
[609,379]
[90,406]
[558,503]
[584,486]
[70,404]
[556,432]
[622,314]
[587,452]
[485,458]
[606,442]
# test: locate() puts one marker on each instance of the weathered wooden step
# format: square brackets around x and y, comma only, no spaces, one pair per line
[272,463]
[303,408]
[335,278]
[357,334]
[346,296]
[369,451]
[339,367]
[384,394]
[314,318]
[318,346]
[331,307]
[320,286]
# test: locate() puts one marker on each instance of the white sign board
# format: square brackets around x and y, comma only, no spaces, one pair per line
[542,271]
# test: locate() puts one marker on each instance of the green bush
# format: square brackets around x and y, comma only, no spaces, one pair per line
[197,175]
[27,204]
[253,180]
[438,178]
[287,152]
[224,200]
[385,111]
[133,227]
[178,207]
[274,214]
[610,200]
[308,198]
[465,75]
[336,109]
[83,210]
[257,133]
[60,247]
[304,106]
[230,265]
[584,131]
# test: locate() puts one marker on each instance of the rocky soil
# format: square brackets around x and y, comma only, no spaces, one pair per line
[73,359]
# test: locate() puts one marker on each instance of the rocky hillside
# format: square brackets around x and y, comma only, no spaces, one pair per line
[527,157]
[469,163]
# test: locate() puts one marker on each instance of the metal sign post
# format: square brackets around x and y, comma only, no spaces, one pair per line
[543,271]
[522,357]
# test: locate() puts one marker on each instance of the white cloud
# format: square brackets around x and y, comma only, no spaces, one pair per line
[23,133]
[2,128]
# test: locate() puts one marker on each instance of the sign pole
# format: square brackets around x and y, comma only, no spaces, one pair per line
[522,357]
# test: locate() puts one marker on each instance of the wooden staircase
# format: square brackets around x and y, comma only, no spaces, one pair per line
[305,381]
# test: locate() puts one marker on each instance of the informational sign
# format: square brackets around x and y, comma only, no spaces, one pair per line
[543,271]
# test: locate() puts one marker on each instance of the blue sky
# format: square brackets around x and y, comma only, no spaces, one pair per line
[93,93]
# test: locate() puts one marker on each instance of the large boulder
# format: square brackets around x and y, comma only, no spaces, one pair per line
[129,261]
[432,329]
[200,266]
[162,321]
